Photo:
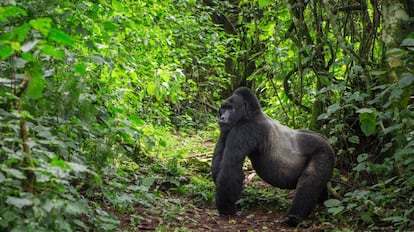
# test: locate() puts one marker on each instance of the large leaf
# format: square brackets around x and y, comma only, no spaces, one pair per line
[60,37]
[19,202]
[43,25]
[5,51]
[36,82]
[368,120]
[11,11]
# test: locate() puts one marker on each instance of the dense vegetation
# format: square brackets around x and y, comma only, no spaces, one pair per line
[108,106]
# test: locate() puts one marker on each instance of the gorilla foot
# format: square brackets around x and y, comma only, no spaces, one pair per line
[227,211]
[291,220]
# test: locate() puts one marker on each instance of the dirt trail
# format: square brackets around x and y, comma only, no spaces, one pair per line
[206,219]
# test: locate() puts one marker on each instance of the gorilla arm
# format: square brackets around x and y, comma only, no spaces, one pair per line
[229,182]
[218,155]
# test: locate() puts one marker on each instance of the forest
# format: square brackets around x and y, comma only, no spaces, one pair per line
[109,110]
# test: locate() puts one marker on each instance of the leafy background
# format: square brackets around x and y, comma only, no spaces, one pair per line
[107,107]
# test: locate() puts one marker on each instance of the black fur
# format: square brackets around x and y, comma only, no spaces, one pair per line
[283,157]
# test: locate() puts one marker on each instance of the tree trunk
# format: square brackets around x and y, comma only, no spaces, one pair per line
[396,26]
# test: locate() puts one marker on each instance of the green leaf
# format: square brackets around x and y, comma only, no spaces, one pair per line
[362,157]
[336,210]
[148,182]
[405,81]
[354,139]
[5,51]
[19,202]
[368,120]
[117,6]
[151,88]
[162,143]
[2,177]
[333,108]
[43,25]
[53,51]
[408,42]
[136,120]
[74,209]
[78,167]
[332,203]
[60,37]
[36,82]
[264,3]
[334,206]
[11,11]
[364,110]
[56,162]
[377,72]
[80,68]
[27,56]
[18,34]
[14,173]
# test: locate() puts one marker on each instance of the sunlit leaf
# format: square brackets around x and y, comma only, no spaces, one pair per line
[78,167]
[60,37]
[117,6]
[43,25]
[162,143]
[80,68]
[56,162]
[137,120]
[19,202]
[408,42]
[368,120]
[36,82]
[11,11]
[5,51]
[151,88]
[27,56]
[74,209]
[14,173]
[53,51]
[148,182]
[18,35]
[332,203]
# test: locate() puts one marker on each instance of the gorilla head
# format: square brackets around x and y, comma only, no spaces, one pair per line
[283,157]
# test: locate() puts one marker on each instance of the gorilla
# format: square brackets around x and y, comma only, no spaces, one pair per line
[283,157]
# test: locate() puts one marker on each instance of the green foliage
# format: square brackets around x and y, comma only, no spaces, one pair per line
[101,84]
[91,79]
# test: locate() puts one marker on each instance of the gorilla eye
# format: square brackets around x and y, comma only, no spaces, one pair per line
[228,107]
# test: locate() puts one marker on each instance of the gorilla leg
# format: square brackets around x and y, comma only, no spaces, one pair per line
[229,183]
[309,191]
[324,196]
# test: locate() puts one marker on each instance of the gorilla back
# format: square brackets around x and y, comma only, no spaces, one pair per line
[283,157]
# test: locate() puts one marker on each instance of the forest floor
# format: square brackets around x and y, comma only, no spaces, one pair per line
[190,216]
[205,218]
[263,209]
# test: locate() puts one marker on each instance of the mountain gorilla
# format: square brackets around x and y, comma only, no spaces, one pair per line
[283,157]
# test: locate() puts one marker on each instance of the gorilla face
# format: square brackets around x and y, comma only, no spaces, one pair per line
[231,111]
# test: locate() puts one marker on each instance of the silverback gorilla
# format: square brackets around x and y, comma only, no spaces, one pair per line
[283,157]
